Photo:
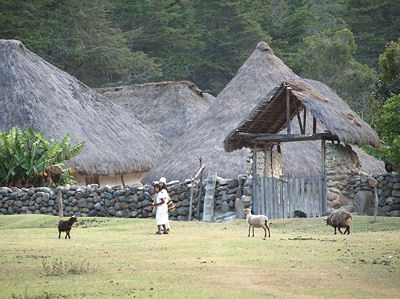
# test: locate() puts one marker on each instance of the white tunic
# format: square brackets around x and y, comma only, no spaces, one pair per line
[162,210]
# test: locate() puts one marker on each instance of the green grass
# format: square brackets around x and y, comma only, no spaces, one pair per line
[113,257]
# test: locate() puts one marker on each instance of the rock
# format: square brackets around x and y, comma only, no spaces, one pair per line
[394,213]
[233,184]
[373,183]
[225,207]
[239,208]
[97,206]
[246,199]
[363,202]
[223,182]
[82,202]
[396,192]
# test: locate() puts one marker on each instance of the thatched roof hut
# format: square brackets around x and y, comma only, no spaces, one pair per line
[261,72]
[323,104]
[35,93]
[168,108]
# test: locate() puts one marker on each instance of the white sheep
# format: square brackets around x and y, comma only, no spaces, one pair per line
[257,221]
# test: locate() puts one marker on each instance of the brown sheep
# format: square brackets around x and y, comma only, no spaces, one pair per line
[65,226]
[340,219]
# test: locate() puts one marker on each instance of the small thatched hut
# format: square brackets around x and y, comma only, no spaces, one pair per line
[35,93]
[261,72]
[168,108]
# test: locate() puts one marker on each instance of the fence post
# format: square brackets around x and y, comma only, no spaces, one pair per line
[60,202]
[208,210]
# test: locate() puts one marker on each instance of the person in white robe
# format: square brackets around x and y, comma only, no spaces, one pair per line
[162,211]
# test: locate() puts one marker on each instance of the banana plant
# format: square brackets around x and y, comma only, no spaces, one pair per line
[27,158]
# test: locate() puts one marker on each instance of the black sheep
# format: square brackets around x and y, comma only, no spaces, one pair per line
[65,226]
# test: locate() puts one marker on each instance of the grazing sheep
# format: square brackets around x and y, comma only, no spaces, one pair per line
[257,221]
[65,226]
[340,219]
[299,214]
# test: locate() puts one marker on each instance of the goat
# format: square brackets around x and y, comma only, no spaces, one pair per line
[65,226]
[340,219]
[257,221]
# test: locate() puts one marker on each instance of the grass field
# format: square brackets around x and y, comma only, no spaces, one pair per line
[111,257]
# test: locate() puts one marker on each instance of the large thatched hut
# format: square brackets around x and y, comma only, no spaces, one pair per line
[35,93]
[168,108]
[260,73]
[301,114]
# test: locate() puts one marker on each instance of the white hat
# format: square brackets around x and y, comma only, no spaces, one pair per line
[163,180]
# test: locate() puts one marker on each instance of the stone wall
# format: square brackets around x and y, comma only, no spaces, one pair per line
[361,197]
[269,163]
[132,201]
[341,163]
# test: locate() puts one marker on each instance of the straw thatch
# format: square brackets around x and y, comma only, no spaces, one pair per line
[269,116]
[168,108]
[35,93]
[261,72]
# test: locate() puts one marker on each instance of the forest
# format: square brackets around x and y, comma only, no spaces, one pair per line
[350,45]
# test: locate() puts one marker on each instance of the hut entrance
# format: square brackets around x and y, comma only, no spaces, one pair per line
[280,197]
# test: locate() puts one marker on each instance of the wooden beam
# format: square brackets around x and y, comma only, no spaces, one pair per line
[288,128]
[323,179]
[304,120]
[299,119]
[286,138]
[314,125]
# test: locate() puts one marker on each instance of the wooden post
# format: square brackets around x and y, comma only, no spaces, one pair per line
[314,125]
[304,120]
[323,177]
[376,203]
[200,191]
[122,180]
[60,203]
[289,131]
[191,199]
[254,195]
[192,191]
[208,211]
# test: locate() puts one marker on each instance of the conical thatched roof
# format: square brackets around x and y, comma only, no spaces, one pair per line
[168,108]
[269,115]
[261,72]
[35,93]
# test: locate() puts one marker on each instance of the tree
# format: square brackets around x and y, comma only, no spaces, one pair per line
[230,30]
[388,127]
[163,29]
[389,82]
[328,57]
[373,23]
[27,158]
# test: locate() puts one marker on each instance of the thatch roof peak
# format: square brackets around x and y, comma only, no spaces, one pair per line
[168,107]
[260,73]
[263,46]
[35,93]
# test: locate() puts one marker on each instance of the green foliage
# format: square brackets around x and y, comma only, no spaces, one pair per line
[27,158]
[389,83]
[230,32]
[389,62]
[328,57]
[388,127]
[373,23]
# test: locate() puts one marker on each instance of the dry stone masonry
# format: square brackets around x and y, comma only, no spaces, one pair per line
[350,191]
[128,202]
